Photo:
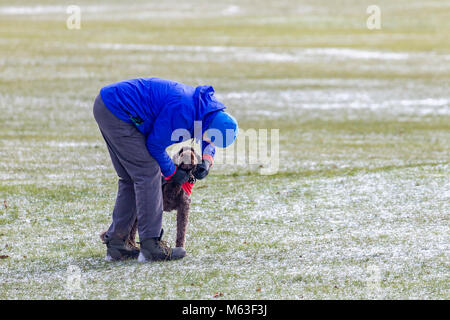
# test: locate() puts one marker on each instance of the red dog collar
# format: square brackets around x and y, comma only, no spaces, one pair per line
[187,187]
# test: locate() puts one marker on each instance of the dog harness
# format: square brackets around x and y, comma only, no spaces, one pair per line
[187,187]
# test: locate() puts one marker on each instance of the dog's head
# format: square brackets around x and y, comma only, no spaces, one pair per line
[187,159]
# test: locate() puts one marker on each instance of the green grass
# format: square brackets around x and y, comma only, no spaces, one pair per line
[363,180]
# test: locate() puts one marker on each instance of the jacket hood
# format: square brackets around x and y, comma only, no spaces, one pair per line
[206,106]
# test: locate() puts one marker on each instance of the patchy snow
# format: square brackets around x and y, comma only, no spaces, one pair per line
[231,10]
[363,187]
[276,102]
[262,54]
[358,54]
[31,10]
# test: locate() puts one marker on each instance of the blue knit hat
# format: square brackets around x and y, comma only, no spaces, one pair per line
[222,130]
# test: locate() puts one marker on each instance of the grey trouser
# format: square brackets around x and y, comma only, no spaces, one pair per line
[139,193]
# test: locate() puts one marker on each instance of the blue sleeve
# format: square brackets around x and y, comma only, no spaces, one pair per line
[208,148]
[157,150]
[174,117]
[157,142]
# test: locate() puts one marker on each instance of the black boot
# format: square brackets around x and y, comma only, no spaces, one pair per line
[154,249]
[118,250]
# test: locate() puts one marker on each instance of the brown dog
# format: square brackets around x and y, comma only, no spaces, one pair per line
[175,196]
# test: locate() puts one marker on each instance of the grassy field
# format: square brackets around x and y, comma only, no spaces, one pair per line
[358,209]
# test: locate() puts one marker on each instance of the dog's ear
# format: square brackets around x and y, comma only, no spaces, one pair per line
[176,158]
[199,159]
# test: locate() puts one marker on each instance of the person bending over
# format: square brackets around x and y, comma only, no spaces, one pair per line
[139,119]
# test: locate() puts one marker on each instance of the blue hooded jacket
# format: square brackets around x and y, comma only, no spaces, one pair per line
[157,107]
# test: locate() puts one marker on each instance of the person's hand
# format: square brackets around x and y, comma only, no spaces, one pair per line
[202,169]
[180,176]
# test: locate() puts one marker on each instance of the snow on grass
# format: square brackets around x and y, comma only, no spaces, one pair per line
[301,236]
[265,54]
[358,209]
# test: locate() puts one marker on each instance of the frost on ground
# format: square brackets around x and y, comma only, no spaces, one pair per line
[291,236]
[359,207]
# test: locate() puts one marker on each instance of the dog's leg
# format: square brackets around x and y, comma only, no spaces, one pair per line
[131,241]
[182,222]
